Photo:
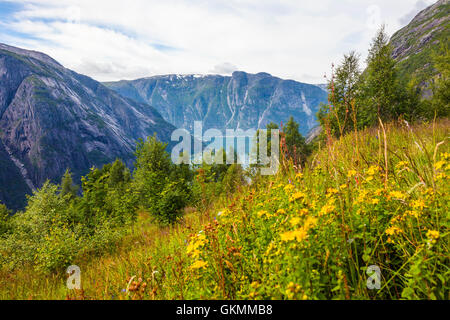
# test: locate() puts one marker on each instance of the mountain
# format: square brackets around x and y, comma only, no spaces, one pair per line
[52,118]
[241,101]
[414,45]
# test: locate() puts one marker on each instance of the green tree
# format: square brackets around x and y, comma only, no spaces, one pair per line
[160,185]
[440,103]
[381,90]
[67,185]
[4,219]
[234,178]
[343,95]
[296,147]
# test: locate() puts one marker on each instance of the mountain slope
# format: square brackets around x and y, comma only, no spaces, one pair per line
[241,101]
[413,45]
[52,118]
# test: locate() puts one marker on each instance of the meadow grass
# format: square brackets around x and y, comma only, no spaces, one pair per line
[373,198]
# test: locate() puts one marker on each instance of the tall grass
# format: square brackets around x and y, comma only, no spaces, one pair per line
[378,197]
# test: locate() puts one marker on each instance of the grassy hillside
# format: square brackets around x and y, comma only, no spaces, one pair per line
[371,198]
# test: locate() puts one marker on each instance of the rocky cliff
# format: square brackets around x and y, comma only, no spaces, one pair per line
[413,46]
[52,118]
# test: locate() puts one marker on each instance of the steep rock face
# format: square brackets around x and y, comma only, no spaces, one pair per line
[244,101]
[414,44]
[52,119]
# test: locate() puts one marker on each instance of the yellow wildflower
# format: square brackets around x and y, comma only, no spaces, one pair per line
[297,196]
[373,170]
[299,235]
[433,235]
[393,231]
[331,192]
[303,212]
[295,221]
[418,204]
[397,195]
[262,213]
[281,211]
[199,264]
[352,173]
[439,165]
[328,208]
[310,222]
[288,188]
[402,165]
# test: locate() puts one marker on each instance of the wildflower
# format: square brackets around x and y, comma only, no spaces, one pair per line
[297,196]
[281,211]
[299,235]
[412,213]
[295,221]
[342,187]
[401,165]
[299,175]
[373,170]
[446,155]
[328,208]
[418,204]
[439,165]
[310,222]
[433,235]
[375,201]
[397,195]
[303,212]
[199,264]
[331,192]
[441,176]
[392,231]
[288,188]
[352,173]
[262,213]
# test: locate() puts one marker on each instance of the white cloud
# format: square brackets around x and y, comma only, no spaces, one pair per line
[111,40]
[225,68]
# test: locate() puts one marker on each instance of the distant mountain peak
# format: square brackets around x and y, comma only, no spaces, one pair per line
[242,100]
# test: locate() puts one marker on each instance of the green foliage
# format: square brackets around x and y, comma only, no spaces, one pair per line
[344,94]
[358,100]
[381,88]
[440,103]
[161,187]
[296,147]
[67,185]
[233,179]
[4,219]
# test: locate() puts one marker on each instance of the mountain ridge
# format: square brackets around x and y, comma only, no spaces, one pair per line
[52,118]
[240,101]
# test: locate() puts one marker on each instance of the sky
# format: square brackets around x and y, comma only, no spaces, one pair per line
[112,40]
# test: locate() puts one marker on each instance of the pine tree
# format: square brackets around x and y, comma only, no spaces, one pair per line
[297,148]
[67,185]
[382,93]
[343,95]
